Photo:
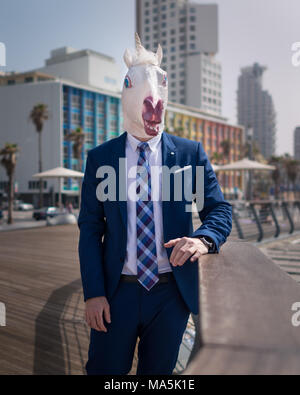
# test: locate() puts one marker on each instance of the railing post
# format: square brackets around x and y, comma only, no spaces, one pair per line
[290,219]
[277,232]
[259,227]
[237,223]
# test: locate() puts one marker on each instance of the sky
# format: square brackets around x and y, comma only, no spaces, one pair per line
[250,31]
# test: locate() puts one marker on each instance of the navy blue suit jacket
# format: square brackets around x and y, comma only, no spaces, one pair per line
[103,225]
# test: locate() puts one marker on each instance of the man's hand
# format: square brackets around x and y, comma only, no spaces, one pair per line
[94,309]
[185,248]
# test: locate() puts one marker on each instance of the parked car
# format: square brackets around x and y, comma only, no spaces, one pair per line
[43,213]
[1,214]
[21,206]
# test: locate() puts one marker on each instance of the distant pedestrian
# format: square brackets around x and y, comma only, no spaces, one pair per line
[70,208]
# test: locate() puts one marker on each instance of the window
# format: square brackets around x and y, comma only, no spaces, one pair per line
[89,138]
[36,185]
[66,118]
[66,101]
[101,107]
[11,82]
[113,125]
[101,123]
[28,79]
[192,28]
[76,119]
[89,121]
[114,108]
[192,18]
[76,101]
[89,104]
[3,185]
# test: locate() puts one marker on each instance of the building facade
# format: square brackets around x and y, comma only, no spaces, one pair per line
[70,106]
[297,143]
[211,131]
[188,33]
[256,109]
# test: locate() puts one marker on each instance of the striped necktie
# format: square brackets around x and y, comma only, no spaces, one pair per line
[147,268]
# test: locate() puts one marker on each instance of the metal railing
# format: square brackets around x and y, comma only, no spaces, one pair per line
[259,220]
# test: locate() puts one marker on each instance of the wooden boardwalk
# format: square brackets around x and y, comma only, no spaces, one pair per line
[40,286]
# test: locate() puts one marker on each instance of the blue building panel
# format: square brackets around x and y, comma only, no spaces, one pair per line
[99,115]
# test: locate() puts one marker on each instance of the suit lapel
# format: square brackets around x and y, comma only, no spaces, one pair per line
[121,176]
[169,159]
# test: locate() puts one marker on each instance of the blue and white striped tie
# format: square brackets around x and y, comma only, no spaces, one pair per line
[147,268]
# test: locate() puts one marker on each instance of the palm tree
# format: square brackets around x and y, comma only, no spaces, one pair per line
[38,115]
[9,161]
[77,136]
[225,145]
[216,158]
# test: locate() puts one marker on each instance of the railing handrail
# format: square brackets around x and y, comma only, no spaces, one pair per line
[245,320]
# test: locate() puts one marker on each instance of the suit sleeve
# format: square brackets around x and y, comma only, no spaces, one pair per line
[216,215]
[91,223]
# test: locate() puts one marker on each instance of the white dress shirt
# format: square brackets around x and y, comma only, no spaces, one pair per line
[155,162]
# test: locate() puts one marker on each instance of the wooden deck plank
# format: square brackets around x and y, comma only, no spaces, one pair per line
[40,285]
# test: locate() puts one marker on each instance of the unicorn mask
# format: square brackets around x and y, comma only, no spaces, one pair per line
[145,92]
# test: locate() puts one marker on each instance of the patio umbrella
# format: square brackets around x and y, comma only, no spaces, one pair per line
[246,165]
[59,173]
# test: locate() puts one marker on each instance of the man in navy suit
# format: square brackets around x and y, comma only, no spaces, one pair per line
[139,254]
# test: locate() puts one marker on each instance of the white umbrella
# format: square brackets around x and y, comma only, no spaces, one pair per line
[59,173]
[245,164]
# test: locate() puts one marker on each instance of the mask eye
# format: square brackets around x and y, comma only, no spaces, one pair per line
[127,82]
[165,80]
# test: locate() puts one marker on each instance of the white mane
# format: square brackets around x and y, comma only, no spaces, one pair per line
[141,56]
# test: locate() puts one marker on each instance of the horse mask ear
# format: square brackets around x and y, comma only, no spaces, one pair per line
[159,54]
[128,58]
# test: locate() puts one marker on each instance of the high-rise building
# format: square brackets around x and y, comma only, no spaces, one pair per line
[188,33]
[297,143]
[256,109]
[85,67]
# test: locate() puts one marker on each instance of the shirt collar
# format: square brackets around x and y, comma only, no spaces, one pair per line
[153,143]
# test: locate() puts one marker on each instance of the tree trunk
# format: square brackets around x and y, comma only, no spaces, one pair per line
[40,170]
[10,199]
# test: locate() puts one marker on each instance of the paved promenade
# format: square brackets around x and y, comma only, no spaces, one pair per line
[40,286]
[39,283]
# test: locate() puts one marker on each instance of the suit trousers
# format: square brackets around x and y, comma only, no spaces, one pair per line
[157,317]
